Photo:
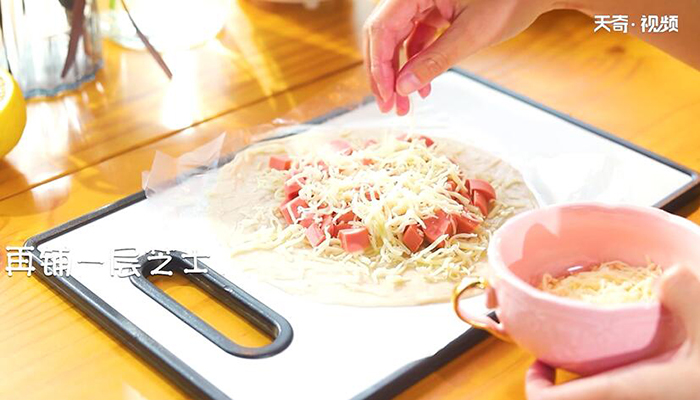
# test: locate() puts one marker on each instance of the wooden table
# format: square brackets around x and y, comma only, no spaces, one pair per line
[88,148]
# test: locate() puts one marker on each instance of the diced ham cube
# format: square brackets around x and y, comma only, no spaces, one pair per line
[347,217]
[465,222]
[367,161]
[291,189]
[341,146]
[481,202]
[438,225]
[280,162]
[370,142]
[339,227]
[290,210]
[483,187]
[315,235]
[451,186]
[307,218]
[354,240]
[413,237]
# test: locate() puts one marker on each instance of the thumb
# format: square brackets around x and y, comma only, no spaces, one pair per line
[538,380]
[679,292]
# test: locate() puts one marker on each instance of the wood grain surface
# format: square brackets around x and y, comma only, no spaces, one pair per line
[88,148]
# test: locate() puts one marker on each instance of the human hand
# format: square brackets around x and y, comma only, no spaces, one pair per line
[674,375]
[466,25]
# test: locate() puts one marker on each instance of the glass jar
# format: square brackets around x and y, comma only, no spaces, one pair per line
[35,39]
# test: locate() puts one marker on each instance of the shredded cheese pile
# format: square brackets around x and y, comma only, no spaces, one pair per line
[388,185]
[609,283]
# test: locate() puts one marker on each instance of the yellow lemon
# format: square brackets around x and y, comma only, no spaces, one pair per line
[13,113]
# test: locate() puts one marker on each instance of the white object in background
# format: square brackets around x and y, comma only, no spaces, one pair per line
[168,24]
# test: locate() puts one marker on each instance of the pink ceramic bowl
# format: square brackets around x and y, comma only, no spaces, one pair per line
[565,333]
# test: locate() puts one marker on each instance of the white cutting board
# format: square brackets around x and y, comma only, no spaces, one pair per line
[339,351]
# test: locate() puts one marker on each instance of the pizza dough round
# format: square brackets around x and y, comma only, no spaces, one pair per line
[238,195]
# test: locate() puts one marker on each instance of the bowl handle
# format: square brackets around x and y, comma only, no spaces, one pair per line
[476,320]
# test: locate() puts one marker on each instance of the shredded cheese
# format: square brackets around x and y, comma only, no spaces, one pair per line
[388,185]
[609,283]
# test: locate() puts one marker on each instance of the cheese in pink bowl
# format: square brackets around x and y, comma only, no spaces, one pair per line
[574,334]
